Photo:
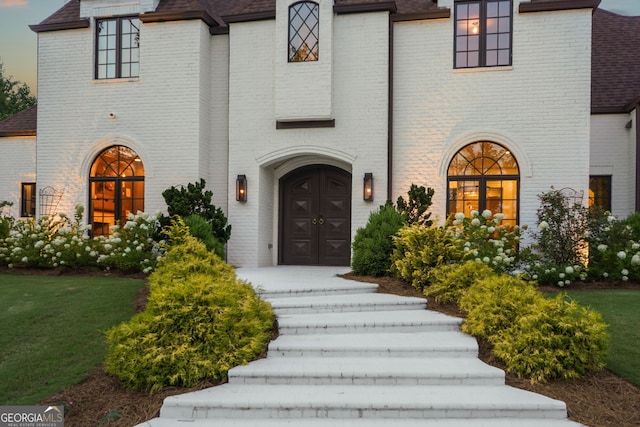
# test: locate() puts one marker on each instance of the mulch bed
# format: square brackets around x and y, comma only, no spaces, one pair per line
[601,399]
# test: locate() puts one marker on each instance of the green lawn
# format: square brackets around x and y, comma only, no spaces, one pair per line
[619,308]
[51,330]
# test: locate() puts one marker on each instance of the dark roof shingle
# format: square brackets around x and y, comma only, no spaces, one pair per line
[615,62]
[20,124]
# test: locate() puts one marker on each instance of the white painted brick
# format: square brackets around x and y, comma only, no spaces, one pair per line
[17,165]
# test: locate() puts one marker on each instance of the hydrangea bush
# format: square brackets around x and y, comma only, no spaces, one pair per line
[60,242]
[484,238]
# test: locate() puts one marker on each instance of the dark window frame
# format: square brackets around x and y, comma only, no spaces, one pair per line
[483,35]
[27,202]
[118,50]
[119,172]
[293,52]
[483,179]
[605,180]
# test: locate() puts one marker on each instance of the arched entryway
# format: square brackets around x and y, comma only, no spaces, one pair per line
[116,188]
[484,175]
[315,216]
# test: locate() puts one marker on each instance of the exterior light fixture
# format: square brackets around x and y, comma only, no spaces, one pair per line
[241,188]
[112,116]
[367,193]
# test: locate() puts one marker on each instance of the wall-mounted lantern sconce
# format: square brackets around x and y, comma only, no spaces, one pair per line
[367,193]
[241,188]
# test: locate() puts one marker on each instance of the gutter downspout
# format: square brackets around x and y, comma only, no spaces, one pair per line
[390,113]
[637,157]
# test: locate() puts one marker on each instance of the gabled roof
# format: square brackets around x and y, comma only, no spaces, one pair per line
[20,124]
[615,66]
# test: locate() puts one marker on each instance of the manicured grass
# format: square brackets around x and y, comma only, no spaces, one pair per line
[619,308]
[51,330]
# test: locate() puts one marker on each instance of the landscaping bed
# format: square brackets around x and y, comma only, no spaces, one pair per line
[600,399]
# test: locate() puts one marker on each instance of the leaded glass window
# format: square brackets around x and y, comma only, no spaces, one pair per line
[303,31]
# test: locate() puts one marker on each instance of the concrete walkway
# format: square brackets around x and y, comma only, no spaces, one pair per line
[348,356]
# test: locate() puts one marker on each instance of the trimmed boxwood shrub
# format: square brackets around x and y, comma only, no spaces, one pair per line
[373,243]
[199,322]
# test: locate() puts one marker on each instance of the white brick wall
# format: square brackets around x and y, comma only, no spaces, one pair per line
[165,115]
[358,143]
[613,152]
[538,108]
[17,165]
[303,90]
[206,107]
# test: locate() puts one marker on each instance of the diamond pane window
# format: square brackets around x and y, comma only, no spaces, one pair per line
[303,32]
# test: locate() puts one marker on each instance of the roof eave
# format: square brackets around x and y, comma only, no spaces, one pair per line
[57,26]
[552,5]
[249,17]
[179,16]
[24,132]
[388,6]
[439,13]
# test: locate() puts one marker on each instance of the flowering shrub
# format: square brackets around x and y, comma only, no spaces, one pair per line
[615,249]
[483,238]
[132,247]
[563,228]
[57,241]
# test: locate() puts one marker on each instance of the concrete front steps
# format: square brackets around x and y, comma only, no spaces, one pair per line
[349,357]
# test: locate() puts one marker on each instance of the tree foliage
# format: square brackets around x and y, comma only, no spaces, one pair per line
[14,95]
[195,200]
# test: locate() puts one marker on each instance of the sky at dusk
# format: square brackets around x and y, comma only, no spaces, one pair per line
[18,44]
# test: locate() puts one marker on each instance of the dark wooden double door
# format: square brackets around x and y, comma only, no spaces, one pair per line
[315,216]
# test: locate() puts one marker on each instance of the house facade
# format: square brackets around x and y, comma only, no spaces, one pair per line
[305,116]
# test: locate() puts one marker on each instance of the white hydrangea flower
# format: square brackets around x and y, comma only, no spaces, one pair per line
[474,213]
[475,221]
[624,272]
[487,213]
[543,225]
[569,270]
[602,247]
[622,254]
[459,216]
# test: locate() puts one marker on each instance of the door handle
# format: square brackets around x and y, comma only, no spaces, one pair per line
[321,220]
[314,221]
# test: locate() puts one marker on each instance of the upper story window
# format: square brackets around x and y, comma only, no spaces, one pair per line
[303,31]
[117,48]
[483,33]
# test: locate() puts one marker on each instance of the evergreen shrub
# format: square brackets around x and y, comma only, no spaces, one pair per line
[536,337]
[418,250]
[553,338]
[200,321]
[448,282]
[201,230]
[373,243]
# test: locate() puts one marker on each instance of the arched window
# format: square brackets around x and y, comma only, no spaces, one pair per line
[116,188]
[304,23]
[484,175]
